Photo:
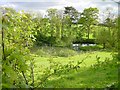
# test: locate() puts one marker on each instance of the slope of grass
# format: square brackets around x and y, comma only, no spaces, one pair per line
[86,76]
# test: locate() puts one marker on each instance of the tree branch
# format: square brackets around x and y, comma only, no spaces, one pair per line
[24,77]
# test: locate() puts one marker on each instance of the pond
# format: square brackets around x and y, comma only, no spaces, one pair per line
[77,46]
[87,45]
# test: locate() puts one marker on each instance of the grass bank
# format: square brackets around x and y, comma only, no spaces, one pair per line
[98,69]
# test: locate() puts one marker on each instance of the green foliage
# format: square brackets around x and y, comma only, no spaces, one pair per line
[73,13]
[105,35]
[88,18]
[102,36]
[56,29]
[18,37]
[90,48]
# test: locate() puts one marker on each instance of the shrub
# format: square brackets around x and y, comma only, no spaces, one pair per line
[90,48]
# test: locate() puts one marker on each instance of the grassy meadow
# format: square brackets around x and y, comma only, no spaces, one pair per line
[91,74]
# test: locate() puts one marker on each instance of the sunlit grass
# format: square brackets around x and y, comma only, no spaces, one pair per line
[91,58]
[85,76]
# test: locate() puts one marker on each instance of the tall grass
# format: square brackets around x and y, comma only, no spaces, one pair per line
[53,51]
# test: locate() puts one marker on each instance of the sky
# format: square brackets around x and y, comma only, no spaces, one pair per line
[42,5]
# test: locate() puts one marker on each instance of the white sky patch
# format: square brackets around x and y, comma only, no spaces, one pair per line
[9,5]
[42,5]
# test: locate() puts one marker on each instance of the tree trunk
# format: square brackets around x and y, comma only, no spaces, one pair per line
[62,28]
[103,45]
[3,47]
[88,32]
[119,36]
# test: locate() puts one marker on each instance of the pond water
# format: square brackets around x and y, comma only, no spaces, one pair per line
[76,46]
[89,45]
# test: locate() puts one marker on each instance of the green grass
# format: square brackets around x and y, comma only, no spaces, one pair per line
[85,76]
[89,61]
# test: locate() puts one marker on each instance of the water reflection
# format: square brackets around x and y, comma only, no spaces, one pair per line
[77,46]
[88,45]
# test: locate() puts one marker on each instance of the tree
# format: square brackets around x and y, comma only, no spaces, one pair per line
[71,18]
[110,23]
[73,13]
[18,38]
[55,25]
[102,36]
[89,17]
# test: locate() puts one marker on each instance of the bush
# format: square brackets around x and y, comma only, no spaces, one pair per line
[90,48]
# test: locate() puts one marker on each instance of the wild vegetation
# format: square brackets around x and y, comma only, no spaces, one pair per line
[37,52]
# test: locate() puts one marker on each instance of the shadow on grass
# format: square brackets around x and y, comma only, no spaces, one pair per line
[100,76]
